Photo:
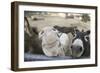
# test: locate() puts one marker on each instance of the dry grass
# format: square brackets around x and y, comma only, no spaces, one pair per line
[54,20]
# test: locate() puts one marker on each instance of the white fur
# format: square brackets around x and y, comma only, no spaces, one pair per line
[53,45]
[78,42]
[64,40]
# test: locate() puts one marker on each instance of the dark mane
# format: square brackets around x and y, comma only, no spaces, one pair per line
[66,29]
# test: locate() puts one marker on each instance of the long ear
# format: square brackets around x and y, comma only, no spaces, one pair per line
[87,32]
[27,26]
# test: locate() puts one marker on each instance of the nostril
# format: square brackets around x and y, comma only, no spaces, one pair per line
[71,46]
[76,48]
[80,49]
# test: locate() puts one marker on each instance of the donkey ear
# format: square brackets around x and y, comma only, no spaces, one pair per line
[87,32]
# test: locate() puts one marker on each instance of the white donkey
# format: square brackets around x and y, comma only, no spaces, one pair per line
[54,43]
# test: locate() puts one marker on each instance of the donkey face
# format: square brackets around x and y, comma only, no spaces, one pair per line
[80,45]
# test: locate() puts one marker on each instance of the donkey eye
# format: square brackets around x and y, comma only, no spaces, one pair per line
[71,46]
[42,32]
[54,29]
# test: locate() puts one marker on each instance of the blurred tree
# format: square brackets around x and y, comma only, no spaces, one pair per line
[85,17]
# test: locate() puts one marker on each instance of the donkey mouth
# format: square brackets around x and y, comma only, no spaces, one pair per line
[76,50]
